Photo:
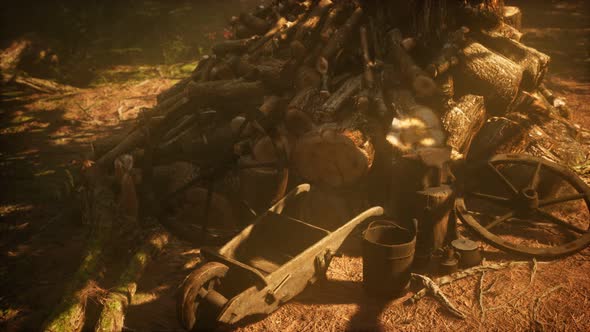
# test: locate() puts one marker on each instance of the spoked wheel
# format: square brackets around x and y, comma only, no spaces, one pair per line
[527,205]
[198,302]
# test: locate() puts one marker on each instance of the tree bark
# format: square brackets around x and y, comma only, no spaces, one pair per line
[481,71]
[463,120]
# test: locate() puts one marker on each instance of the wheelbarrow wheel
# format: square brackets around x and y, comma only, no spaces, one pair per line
[527,205]
[198,302]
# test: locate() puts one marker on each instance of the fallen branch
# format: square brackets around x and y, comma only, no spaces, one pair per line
[439,295]
[464,274]
[69,316]
[113,313]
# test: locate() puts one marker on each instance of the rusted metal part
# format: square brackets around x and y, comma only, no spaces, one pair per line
[266,265]
[450,263]
[388,254]
[525,203]
[468,251]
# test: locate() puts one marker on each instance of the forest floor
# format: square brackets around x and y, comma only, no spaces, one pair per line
[42,136]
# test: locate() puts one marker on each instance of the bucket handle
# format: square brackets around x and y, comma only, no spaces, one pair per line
[377,223]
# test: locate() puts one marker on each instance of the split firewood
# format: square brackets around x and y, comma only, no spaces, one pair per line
[112,316]
[513,16]
[420,81]
[301,109]
[439,295]
[484,72]
[463,120]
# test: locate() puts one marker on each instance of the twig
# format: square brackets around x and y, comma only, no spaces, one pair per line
[439,295]
[464,274]
[538,302]
[534,271]
[480,297]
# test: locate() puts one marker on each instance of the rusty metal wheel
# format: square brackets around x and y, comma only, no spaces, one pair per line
[198,303]
[526,205]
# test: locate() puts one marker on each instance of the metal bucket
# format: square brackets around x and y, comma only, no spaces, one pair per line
[388,253]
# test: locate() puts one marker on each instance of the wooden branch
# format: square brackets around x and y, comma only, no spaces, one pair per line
[308,26]
[448,279]
[335,16]
[340,37]
[420,81]
[112,316]
[340,97]
[236,46]
[439,295]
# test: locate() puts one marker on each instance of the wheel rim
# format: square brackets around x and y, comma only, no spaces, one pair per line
[560,218]
[191,303]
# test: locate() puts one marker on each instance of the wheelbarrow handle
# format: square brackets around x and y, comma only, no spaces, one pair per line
[371,212]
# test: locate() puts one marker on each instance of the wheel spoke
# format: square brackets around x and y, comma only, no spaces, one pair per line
[504,179]
[499,220]
[553,201]
[497,199]
[536,177]
[559,221]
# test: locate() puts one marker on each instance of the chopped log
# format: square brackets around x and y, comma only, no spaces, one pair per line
[202,94]
[306,77]
[255,24]
[340,37]
[115,304]
[236,46]
[335,155]
[448,55]
[534,63]
[301,111]
[221,71]
[69,316]
[335,17]
[463,120]
[201,73]
[308,26]
[219,92]
[507,31]
[174,90]
[513,16]
[420,81]
[491,75]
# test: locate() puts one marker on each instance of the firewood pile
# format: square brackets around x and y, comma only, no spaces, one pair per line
[330,92]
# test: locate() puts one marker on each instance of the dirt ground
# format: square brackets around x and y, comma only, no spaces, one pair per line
[42,137]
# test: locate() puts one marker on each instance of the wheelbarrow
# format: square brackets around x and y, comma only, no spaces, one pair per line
[267,264]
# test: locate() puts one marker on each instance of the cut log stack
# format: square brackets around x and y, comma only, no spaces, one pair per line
[339,72]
